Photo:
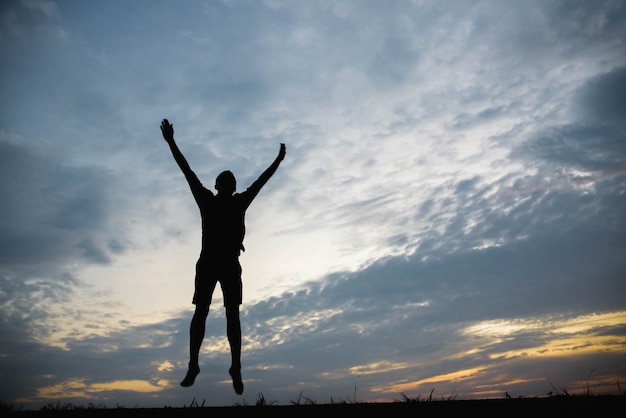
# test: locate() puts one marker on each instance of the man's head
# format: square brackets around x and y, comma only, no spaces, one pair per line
[226,183]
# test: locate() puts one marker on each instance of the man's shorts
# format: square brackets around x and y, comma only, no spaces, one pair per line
[209,272]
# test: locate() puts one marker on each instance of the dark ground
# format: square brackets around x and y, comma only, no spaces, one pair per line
[557,406]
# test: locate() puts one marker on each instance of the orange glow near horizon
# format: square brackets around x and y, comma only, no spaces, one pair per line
[503,328]
[448,377]
[378,367]
[78,388]
[574,346]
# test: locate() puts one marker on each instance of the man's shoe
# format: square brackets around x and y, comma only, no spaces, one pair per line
[191,377]
[237,383]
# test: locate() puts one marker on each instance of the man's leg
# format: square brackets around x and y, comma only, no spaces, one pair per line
[233,331]
[196,335]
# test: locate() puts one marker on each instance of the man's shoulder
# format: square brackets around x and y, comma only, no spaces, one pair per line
[244,198]
[206,192]
[204,195]
[249,193]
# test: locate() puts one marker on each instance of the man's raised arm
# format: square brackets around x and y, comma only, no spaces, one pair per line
[168,134]
[269,172]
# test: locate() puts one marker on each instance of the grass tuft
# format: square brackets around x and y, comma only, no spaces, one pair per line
[260,401]
[194,404]
[303,400]
[415,399]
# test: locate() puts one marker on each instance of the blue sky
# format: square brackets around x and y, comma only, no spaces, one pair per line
[449,216]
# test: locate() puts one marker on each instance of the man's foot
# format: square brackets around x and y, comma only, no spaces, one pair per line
[237,383]
[191,376]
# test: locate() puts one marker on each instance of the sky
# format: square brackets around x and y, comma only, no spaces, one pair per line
[449,217]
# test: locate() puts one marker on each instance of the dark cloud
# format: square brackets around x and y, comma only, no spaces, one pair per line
[582,147]
[50,211]
[595,140]
[601,99]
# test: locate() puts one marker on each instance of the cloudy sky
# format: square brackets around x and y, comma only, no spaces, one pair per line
[450,214]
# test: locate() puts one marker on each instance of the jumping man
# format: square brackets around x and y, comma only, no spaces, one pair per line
[223,230]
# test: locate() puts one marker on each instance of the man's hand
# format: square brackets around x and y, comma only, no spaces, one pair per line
[168,130]
[281,153]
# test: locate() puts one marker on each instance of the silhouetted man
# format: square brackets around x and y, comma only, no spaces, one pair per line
[223,229]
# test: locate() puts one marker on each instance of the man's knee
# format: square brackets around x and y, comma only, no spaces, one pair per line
[202,310]
[232,312]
